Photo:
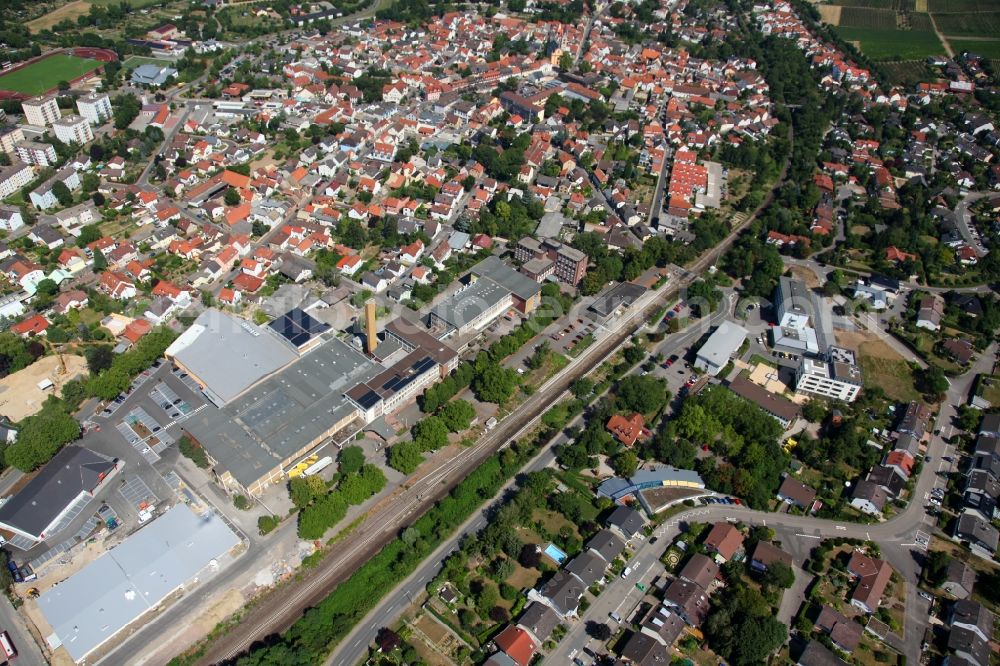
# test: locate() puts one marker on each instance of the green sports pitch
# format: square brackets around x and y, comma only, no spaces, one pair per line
[46,74]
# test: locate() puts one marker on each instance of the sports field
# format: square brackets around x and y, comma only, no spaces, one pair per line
[46,74]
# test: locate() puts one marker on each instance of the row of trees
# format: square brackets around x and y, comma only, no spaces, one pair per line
[322,508]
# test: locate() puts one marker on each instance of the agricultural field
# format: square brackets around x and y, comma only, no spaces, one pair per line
[893,44]
[939,6]
[987,48]
[906,73]
[46,74]
[68,11]
[969,24]
[861,17]
[896,5]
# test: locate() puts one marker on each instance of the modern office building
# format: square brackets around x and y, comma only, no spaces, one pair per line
[837,377]
[793,303]
[40,111]
[95,107]
[73,129]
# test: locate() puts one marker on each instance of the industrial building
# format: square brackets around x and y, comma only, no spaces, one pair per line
[525,291]
[283,390]
[838,377]
[470,309]
[270,425]
[57,494]
[718,350]
[226,354]
[90,607]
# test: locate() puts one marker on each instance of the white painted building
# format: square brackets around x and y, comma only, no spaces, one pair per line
[73,129]
[95,107]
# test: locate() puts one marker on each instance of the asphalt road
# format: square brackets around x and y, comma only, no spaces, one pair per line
[28,653]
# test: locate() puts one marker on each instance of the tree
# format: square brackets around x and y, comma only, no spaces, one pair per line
[351,459]
[457,415]
[779,574]
[14,354]
[109,383]
[88,235]
[62,193]
[304,490]
[566,61]
[814,411]
[625,463]
[430,433]
[193,452]
[599,631]
[405,457]
[47,288]
[581,388]
[90,182]
[267,524]
[99,358]
[388,640]
[530,556]
[936,568]
[932,381]
[41,436]
[320,516]
[232,197]
[100,261]
[643,394]
[494,383]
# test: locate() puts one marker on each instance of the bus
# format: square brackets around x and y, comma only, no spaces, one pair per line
[7,646]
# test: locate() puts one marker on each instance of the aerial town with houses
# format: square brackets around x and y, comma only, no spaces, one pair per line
[566,331]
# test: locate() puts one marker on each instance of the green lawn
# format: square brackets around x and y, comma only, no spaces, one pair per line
[46,74]
[889,44]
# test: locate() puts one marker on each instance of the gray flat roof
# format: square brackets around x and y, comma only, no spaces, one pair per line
[471,302]
[284,413]
[228,354]
[516,283]
[94,604]
[723,342]
[623,293]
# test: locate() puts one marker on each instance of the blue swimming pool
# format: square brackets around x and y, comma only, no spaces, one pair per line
[555,553]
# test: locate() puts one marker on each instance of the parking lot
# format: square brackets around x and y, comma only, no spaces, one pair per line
[139,427]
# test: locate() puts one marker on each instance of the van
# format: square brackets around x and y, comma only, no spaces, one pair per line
[615,616]
[626,572]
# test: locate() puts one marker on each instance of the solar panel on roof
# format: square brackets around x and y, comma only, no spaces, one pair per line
[369,400]
[298,327]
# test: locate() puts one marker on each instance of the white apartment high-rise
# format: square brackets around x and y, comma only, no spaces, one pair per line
[73,129]
[95,107]
[39,154]
[10,136]
[41,111]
